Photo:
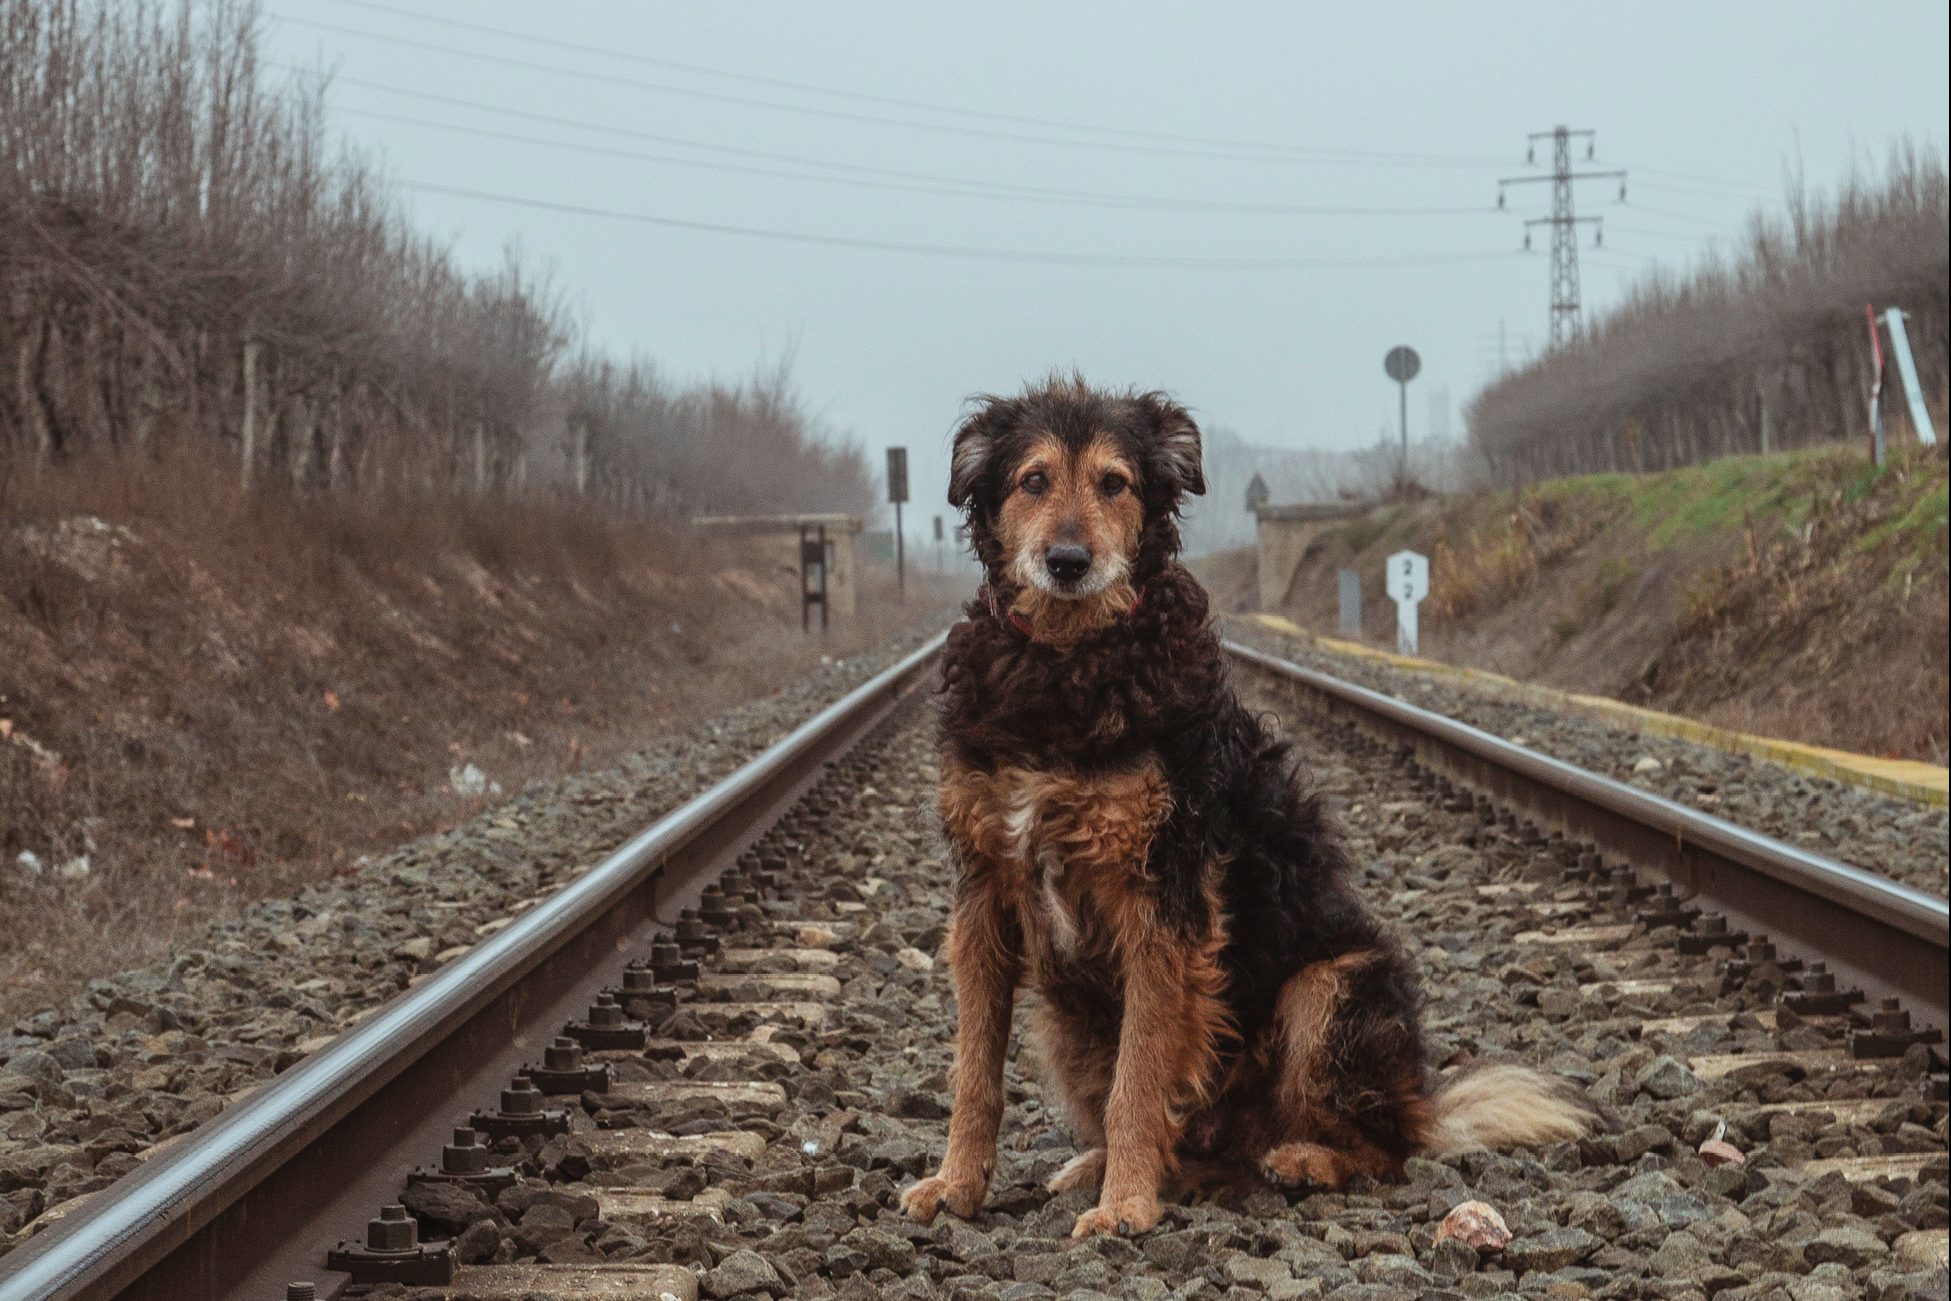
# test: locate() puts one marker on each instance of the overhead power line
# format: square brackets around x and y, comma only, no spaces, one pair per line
[1040,256]
[1716,182]
[921,183]
[1254,153]
[928,106]
[1692,218]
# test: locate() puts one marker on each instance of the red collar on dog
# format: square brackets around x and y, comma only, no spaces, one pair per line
[1022,624]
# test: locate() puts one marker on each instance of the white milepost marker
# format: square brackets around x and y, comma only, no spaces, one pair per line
[1408,584]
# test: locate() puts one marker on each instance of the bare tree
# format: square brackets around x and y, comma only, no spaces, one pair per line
[1763,348]
[183,254]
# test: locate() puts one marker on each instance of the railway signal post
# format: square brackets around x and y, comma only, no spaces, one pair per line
[897,492]
[1402,365]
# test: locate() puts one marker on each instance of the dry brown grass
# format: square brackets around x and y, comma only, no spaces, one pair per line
[222,696]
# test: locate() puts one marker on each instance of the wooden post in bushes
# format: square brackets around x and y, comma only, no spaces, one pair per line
[247,433]
[580,433]
[1876,388]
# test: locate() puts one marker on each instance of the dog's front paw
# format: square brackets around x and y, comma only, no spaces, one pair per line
[1124,1218]
[957,1195]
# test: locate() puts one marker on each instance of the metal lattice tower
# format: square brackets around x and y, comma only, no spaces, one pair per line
[1564,223]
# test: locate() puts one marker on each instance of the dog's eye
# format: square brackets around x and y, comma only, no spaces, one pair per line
[1112,484]
[1035,482]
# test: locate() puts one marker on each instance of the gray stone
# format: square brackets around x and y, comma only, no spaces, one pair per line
[477,1243]
[882,1249]
[74,1053]
[1552,1249]
[744,1271]
[1922,1249]
[1255,1271]
[1665,1077]
[446,1207]
[1846,1245]
[1452,1259]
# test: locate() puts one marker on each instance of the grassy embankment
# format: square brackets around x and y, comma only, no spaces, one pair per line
[1801,595]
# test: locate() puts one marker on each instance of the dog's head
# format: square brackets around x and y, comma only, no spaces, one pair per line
[1072,493]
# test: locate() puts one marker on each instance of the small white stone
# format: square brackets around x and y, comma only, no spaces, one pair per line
[467,780]
[914,959]
[1647,763]
[1476,1225]
[30,862]
[77,868]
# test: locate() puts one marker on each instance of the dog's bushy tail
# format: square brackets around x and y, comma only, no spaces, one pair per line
[1498,1106]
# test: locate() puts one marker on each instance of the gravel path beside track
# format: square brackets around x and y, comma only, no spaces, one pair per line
[1905,841]
[763,1135]
[87,1087]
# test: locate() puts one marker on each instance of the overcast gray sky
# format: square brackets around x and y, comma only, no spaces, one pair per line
[1371,106]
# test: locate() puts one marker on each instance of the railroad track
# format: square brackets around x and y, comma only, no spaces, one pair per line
[763,1073]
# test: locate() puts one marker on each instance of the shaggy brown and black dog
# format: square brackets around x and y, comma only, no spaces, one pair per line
[1132,845]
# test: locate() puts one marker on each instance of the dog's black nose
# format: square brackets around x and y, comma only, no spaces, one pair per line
[1067,562]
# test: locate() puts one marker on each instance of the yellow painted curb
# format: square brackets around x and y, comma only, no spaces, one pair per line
[1909,779]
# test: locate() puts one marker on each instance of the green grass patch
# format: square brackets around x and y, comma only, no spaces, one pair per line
[1922,524]
[1675,508]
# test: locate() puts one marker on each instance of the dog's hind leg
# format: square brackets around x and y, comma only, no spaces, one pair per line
[1348,1092]
[984,953]
[1319,1165]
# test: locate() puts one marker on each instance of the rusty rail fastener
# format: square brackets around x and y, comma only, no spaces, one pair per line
[1815,993]
[393,1253]
[563,1070]
[1889,1034]
[713,910]
[1710,932]
[693,936]
[466,1161]
[607,1027]
[643,996]
[521,1113]
[1663,908]
[669,966]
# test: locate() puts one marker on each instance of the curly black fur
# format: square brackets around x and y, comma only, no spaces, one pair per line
[1155,684]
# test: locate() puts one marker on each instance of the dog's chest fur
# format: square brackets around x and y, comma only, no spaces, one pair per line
[1064,845]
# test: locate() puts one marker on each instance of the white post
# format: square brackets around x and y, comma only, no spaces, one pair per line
[1408,583]
[1920,418]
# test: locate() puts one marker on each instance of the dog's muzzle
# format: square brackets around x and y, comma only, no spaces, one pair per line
[1067,563]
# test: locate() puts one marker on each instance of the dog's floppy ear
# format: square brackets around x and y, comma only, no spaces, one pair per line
[974,440]
[1172,449]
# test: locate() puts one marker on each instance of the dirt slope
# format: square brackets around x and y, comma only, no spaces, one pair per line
[1801,595]
[206,699]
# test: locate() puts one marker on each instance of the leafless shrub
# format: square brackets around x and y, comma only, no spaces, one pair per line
[182,254]
[1762,348]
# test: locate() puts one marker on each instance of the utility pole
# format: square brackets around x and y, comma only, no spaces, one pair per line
[1564,222]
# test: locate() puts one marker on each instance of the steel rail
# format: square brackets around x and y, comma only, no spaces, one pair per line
[202,1218]
[1892,940]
